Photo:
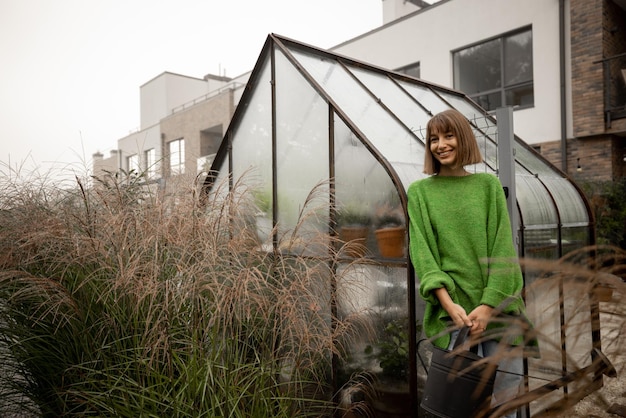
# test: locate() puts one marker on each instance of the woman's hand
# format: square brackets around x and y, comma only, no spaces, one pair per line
[458,315]
[479,319]
[455,311]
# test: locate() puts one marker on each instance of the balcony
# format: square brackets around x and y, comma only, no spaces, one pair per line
[614,70]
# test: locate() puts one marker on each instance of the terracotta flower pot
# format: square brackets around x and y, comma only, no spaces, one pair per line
[391,241]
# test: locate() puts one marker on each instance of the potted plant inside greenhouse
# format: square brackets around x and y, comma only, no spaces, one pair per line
[390,231]
[391,394]
[353,223]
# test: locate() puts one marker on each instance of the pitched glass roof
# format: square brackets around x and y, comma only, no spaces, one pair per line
[301,100]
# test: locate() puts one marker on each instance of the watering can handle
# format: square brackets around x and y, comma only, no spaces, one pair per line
[460,339]
[464,337]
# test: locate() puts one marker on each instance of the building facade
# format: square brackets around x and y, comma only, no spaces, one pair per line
[183,120]
[561,64]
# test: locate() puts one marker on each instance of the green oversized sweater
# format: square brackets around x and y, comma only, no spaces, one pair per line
[460,239]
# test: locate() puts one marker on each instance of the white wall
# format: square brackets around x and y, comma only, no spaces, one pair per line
[394,9]
[165,92]
[430,35]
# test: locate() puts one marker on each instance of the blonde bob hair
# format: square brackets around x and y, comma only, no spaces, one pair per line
[453,121]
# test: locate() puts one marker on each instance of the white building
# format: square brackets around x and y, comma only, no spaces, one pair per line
[560,63]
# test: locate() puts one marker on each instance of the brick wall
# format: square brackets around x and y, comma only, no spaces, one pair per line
[614,29]
[599,158]
[587,77]
[190,124]
[598,30]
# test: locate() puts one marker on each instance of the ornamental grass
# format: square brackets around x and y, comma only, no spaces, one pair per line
[122,299]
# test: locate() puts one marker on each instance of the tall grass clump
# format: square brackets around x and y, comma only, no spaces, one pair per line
[579,319]
[125,300]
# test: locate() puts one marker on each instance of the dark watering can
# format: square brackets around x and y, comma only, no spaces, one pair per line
[459,383]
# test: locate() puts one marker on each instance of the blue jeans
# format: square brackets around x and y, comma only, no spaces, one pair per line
[509,375]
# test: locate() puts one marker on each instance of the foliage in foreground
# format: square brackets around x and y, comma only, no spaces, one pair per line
[120,300]
[608,202]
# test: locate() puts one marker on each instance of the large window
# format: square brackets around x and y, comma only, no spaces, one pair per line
[177,157]
[498,72]
[150,163]
[132,164]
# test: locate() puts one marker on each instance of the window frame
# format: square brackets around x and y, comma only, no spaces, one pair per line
[502,89]
[132,163]
[150,163]
[178,167]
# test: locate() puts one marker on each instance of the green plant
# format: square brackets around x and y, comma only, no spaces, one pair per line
[116,301]
[389,220]
[263,200]
[392,351]
[608,202]
[352,216]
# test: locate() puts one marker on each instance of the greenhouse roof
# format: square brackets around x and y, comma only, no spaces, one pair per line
[309,115]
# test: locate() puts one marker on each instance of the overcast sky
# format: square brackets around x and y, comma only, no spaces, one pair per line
[70,70]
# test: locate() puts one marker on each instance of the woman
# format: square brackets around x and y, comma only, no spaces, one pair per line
[462,248]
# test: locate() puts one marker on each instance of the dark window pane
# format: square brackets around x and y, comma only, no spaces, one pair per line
[518,58]
[477,68]
[520,96]
[412,70]
[497,72]
[489,101]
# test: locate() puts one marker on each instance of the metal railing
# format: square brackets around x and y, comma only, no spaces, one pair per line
[614,69]
[230,86]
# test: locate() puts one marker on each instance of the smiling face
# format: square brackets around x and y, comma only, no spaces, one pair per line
[444,147]
[450,144]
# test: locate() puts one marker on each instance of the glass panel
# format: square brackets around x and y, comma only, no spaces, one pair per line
[465,106]
[379,296]
[388,136]
[397,100]
[409,172]
[302,166]
[252,150]
[533,162]
[425,97]
[252,156]
[542,307]
[541,243]
[364,191]
[575,238]
[489,101]
[535,203]
[572,209]
[518,58]
[478,68]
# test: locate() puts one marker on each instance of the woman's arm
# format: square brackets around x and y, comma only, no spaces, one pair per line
[455,311]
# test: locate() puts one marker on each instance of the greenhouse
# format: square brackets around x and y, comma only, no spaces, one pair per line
[346,139]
